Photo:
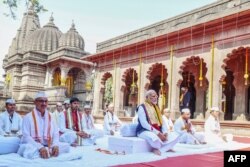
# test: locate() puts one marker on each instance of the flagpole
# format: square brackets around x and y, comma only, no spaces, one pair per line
[171,76]
[114,80]
[212,73]
[139,78]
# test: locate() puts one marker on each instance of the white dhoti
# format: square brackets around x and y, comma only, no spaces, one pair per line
[196,138]
[68,137]
[95,134]
[31,152]
[9,144]
[156,143]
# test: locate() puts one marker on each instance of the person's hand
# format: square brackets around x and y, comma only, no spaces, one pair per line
[44,153]
[55,151]
[162,137]
[112,132]
[82,134]
[188,127]
[166,135]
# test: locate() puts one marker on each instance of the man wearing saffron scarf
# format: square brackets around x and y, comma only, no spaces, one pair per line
[151,127]
[73,123]
[40,133]
[89,127]
[10,128]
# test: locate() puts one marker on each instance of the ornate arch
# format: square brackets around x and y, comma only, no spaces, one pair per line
[192,66]
[155,70]
[105,77]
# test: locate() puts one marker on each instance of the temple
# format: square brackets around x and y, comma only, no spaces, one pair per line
[44,58]
[205,50]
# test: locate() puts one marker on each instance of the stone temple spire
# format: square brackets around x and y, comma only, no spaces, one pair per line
[51,22]
[30,23]
[73,28]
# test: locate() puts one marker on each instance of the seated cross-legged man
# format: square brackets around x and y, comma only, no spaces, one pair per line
[40,132]
[10,128]
[152,128]
[111,122]
[184,127]
[89,127]
[71,129]
[212,128]
[167,120]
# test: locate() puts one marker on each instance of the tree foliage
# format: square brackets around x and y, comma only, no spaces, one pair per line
[108,94]
[12,5]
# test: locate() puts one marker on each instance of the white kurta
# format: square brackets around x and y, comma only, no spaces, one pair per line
[212,130]
[55,116]
[110,122]
[168,122]
[66,135]
[29,147]
[8,124]
[89,127]
[150,134]
[11,143]
[192,137]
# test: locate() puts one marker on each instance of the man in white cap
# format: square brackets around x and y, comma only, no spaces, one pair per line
[184,127]
[66,135]
[151,127]
[58,111]
[111,122]
[167,120]
[10,128]
[89,127]
[212,127]
[66,105]
[40,133]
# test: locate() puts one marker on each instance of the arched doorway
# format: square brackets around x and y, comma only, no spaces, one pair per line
[56,81]
[106,91]
[236,84]
[157,76]
[193,71]
[130,91]
[228,94]
[71,83]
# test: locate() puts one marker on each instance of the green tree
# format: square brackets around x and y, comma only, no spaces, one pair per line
[12,5]
[108,94]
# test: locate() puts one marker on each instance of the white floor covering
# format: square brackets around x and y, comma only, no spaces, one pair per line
[87,156]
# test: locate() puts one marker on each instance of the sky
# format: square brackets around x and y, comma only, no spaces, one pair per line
[96,20]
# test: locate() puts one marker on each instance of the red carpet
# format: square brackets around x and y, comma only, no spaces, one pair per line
[200,160]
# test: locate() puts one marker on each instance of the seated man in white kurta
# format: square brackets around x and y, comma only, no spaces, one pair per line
[151,127]
[167,120]
[184,126]
[89,127]
[66,135]
[111,122]
[72,127]
[10,128]
[40,133]
[212,127]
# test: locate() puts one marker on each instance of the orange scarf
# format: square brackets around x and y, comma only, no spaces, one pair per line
[37,138]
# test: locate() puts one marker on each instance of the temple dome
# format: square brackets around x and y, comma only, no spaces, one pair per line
[45,39]
[72,39]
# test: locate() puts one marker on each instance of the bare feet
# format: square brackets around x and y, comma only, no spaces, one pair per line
[171,150]
[156,152]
